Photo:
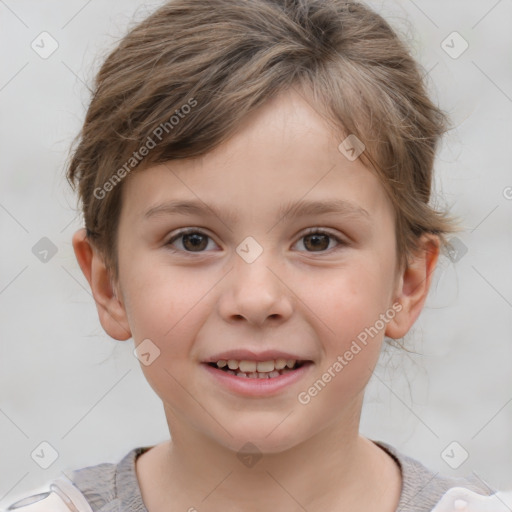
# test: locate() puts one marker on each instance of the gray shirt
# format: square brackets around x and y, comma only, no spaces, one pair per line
[113,487]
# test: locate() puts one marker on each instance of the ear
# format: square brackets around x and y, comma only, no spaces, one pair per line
[413,286]
[111,310]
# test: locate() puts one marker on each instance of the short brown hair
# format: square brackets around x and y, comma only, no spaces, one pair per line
[226,58]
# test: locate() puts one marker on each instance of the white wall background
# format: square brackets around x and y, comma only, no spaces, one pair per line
[63,381]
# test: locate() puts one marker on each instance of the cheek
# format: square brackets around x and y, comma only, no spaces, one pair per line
[160,299]
[352,346]
[351,312]
[167,306]
[352,298]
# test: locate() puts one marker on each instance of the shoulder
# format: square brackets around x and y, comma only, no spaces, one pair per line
[110,487]
[422,488]
[105,487]
[97,484]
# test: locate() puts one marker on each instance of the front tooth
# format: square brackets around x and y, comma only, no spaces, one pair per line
[265,366]
[247,366]
[290,363]
[233,364]
[280,364]
[221,363]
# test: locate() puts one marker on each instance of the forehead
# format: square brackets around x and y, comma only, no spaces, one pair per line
[282,154]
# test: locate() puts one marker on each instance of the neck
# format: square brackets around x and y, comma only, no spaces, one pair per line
[335,469]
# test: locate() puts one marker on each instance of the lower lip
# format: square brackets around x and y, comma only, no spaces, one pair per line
[258,387]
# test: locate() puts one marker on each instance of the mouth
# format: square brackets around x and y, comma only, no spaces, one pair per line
[270,369]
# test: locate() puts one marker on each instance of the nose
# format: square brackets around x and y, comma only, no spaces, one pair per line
[256,292]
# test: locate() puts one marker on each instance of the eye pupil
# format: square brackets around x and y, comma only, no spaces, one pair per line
[316,242]
[195,238]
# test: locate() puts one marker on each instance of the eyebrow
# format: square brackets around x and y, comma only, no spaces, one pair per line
[295,209]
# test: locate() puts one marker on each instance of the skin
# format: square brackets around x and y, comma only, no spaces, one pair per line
[293,297]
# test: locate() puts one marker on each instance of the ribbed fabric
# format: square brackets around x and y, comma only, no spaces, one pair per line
[114,487]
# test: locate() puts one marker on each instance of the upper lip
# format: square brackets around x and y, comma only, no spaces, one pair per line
[248,355]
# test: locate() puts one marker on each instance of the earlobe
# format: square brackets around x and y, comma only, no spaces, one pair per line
[111,311]
[413,287]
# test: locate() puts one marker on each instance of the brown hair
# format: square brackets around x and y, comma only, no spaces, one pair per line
[180,82]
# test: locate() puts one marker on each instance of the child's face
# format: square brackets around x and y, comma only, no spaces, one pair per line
[197,297]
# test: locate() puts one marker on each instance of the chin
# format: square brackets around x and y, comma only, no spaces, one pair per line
[260,438]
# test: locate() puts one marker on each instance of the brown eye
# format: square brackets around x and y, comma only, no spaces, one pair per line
[192,240]
[317,240]
[195,241]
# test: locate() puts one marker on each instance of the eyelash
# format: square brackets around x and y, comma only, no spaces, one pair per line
[310,231]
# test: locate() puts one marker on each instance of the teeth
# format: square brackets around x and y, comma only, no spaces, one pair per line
[280,364]
[266,366]
[248,366]
[260,375]
[259,367]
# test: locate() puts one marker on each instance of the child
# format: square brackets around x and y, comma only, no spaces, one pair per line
[260,128]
